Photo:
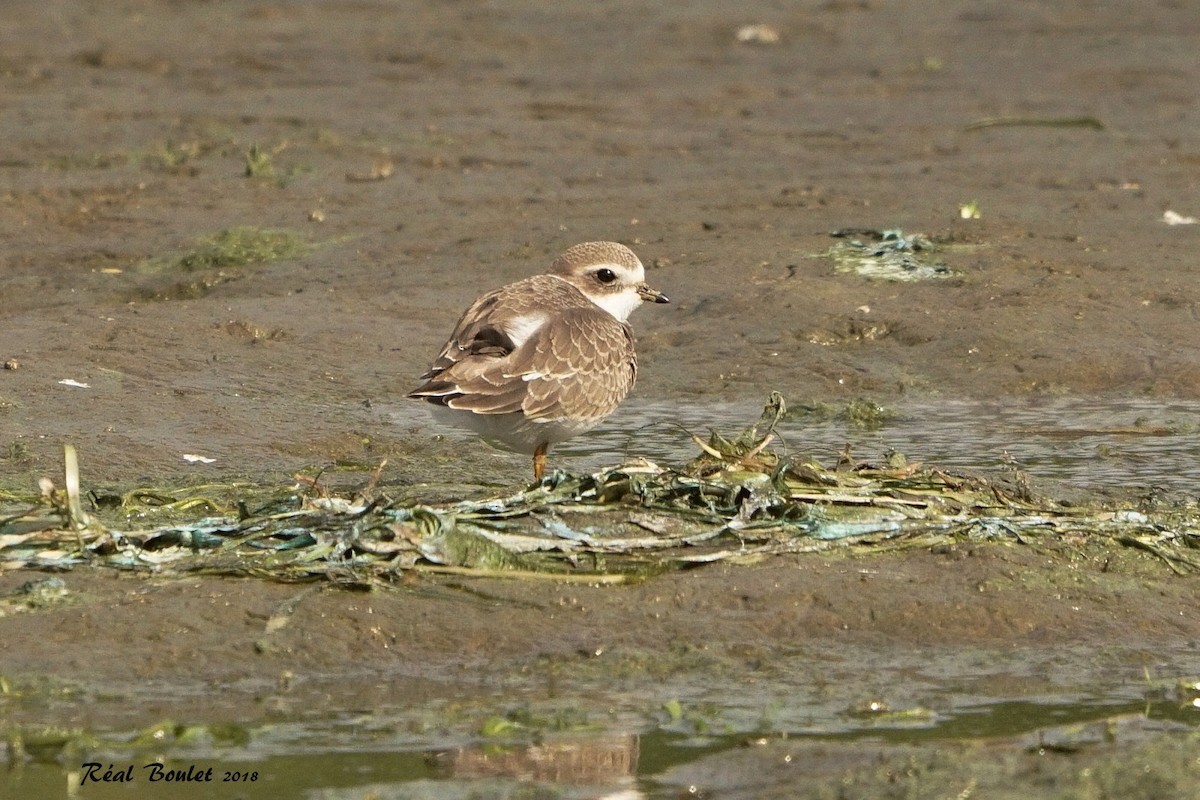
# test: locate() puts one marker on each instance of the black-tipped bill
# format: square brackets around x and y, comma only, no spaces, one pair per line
[652,295]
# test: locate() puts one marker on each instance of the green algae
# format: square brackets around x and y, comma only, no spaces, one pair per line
[887,255]
[239,246]
[212,260]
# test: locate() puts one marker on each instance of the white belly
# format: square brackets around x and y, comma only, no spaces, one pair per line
[513,431]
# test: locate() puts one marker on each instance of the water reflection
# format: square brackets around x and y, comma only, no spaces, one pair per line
[597,736]
[652,762]
[1086,442]
[605,765]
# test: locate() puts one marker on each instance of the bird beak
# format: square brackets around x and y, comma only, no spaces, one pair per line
[651,295]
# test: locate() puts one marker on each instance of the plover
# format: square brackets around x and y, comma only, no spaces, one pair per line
[546,358]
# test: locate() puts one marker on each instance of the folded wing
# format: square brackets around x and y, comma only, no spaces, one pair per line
[578,363]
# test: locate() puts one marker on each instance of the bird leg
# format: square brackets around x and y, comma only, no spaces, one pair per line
[539,462]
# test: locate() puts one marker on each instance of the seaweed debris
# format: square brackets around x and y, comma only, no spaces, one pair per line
[738,500]
[887,255]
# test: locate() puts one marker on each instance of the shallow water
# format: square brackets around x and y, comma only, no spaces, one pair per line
[1088,443]
[601,735]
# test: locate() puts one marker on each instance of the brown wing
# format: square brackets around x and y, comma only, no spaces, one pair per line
[485,329]
[579,364]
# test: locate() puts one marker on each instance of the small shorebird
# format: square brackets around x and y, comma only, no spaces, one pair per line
[544,359]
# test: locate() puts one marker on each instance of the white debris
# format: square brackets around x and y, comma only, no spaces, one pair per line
[757,34]
[191,458]
[76,384]
[1171,218]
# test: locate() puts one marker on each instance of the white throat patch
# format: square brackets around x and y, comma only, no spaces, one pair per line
[621,304]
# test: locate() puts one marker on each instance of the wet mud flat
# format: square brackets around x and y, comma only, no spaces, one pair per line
[863,645]
[989,665]
[239,231]
[384,165]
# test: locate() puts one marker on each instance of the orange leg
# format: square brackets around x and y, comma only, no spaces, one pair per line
[539,462]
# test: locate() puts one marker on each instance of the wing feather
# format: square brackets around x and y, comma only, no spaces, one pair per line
[499,321]
[587,364]
[579,364]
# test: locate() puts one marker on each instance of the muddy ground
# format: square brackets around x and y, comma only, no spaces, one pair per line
[122,630]
[424,151]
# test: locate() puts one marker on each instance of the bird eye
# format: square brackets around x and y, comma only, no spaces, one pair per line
[606,275]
